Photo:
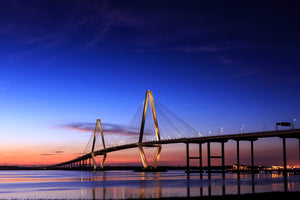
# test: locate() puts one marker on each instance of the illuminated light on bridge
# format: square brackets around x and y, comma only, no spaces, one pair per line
[160,126]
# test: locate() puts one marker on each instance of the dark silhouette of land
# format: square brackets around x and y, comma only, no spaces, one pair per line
[256,196]
[16,167]
[134,168]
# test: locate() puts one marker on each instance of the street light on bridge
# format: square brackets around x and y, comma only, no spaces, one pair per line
[293,122]
[220,130]
[241,128]
[287,124]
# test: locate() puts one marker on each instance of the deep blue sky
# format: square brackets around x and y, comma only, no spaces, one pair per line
[213,63]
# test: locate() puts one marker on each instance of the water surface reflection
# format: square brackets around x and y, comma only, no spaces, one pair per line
[136,185]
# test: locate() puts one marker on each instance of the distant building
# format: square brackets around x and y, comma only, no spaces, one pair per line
[241,167]
[277,167]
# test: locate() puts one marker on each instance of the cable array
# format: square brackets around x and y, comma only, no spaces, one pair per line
[88,147]
[169,124]
[132,130]
[170,127]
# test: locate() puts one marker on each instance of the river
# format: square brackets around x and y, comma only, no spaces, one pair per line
[45,184]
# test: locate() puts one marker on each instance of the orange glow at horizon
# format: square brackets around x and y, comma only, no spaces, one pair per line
[172,154]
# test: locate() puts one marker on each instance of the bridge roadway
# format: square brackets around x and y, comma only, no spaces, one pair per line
[293,133]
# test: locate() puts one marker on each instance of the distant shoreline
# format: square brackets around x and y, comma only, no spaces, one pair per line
[16,167]
[19,168]
[256,196]
[214,169]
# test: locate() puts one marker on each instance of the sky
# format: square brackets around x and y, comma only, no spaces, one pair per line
[218,65]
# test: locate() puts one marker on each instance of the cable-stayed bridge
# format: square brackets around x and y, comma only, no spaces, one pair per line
[154,125]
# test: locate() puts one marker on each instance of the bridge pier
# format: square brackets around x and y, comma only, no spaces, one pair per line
[90,163]
[238,152]
[252,153]
[209,157]
[200,157]
[252,156]
[188,157]
[238,155]
[284,154]
[222,156]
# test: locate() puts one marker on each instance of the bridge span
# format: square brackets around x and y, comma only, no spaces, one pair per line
[251,137]
[88,159]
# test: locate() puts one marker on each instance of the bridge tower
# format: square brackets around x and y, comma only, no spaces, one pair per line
[149,97]
[98,125]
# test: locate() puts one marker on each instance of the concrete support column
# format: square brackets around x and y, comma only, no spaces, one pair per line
[238,155]
[284,154]
[223,157]
[200,157]
[187,158]
[252,156]
[208,158]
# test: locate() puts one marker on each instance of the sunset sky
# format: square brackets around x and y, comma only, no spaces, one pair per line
[215,64]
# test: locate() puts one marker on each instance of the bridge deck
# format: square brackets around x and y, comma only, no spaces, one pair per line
[294,133]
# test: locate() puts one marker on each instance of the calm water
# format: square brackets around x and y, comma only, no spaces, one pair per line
[128,184]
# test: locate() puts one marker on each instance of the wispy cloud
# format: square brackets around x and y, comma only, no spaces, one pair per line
[216,48]
[225,60]
[61,35]
[51,154]
[212,47]
[69,24]
[195,49]
[46,154]
[99,18]
[108,128]
[98,37]
[87,24]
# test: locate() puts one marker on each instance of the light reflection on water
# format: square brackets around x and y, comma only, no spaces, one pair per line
[128,184]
